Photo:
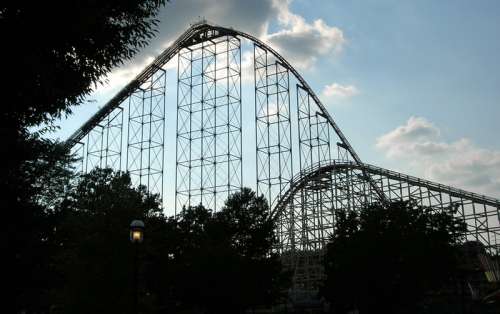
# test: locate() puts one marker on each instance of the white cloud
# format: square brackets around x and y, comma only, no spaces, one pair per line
[123,75]
[459,163]
[406,139]
[338,91]
[301,42]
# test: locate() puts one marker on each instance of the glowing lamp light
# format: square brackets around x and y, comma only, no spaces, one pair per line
[137,231]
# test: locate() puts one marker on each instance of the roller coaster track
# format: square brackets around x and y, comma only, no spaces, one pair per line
[196,34]
[300,180]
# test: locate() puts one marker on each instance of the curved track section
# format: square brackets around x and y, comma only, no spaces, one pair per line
[306,211]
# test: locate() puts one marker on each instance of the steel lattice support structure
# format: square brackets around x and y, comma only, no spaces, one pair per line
[95,144]
[78,152]
[146,132]
[209,151]
[274,162]
[344,186]
[104,142]
[313,131]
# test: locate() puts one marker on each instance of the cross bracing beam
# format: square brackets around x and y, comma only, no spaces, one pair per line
[196,33]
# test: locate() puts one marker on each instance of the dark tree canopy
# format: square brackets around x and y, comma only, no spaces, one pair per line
[30,214]
[95,260]
[386,258]
[216,262]
[56,51]
[224,262]
[53,54]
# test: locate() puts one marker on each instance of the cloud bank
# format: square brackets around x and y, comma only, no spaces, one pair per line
[301,42]
[338,91]
[459,163]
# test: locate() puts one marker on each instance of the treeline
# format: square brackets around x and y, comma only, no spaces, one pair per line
[199,260]
[55,54]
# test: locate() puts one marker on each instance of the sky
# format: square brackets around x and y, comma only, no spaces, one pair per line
[414,85]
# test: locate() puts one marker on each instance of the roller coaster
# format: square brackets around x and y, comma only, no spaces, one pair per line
[304,165]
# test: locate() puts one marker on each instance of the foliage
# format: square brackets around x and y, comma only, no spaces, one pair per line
[40,184]
[60,49]
[224,263]
[385,258]
[95,259]
[218,262]
[55,53]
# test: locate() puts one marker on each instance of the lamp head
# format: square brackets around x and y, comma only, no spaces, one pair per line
[137,231]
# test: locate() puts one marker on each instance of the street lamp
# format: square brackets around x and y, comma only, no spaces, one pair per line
[136,237]
[136,231]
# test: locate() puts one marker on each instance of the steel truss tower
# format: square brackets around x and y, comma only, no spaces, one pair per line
[313,131]
[209,158]
[146,131]
[272,125]
[104,142]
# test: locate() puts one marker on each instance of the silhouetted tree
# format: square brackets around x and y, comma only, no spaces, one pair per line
[57,51]
[223,261]
[218,262]
[54,53]
[385,258]
[29,229]
[95,259]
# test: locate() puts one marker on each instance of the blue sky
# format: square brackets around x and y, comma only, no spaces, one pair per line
[437,59]
[414,85]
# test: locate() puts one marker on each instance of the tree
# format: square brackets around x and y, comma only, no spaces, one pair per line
[223,261]
[384,259]
[55,53]
[95,257]
[30,226]
[58,51]
[219,262]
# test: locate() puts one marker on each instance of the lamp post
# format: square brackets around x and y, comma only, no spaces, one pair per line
[136,237]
